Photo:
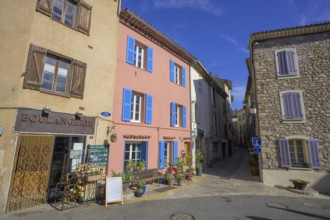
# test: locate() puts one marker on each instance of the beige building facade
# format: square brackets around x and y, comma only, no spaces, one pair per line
[58,63]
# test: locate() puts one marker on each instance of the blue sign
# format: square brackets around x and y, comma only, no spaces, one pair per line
[256,141]
[257,150]
[106,114]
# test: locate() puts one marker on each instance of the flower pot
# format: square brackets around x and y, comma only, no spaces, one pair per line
[138,194]
[126,185]
[180,182]
[199,171]
[299,185]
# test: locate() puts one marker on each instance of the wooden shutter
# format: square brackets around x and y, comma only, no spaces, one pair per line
[45,7]
[144,153]
[281,62]
[184,116]
[285,153]
[183,77]
[150,59]
[173,111]
[171,70]
[161,154]
[78,79]
[296,105]
[148,109]
[127,98]
[130,50]
[314,154]
[84,17]
[290,62]
[34,67]
[287,105]
[175,152]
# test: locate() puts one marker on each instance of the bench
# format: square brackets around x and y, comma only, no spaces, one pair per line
[147,175]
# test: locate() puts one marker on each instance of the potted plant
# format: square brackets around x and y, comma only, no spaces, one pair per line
[142,165]
[179,178]
[168,178]
[199,155]
[140,188]
[299,183]
[127,178]
[113,138]
[129,166]
[253,163]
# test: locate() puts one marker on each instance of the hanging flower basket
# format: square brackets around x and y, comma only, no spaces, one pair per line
[113,138]
[299,184]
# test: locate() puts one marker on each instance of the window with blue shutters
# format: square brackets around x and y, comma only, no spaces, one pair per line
[292,105]
[178,115]
[286,62]
[177,74]
[139,55]
[298,152]
[134,105]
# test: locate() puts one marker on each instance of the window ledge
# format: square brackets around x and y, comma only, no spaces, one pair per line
[54,93]
[290,76]
[301,168]
[286,121]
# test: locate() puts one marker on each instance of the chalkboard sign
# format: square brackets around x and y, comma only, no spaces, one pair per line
[98,154]
[113,190]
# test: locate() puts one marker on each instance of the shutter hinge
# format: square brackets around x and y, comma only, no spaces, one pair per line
[23,74]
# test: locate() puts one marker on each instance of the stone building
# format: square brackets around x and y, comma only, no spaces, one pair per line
[58,64]
[289,86]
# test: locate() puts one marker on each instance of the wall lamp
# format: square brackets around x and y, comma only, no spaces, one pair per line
[78,115]
[253,107]
[46,111]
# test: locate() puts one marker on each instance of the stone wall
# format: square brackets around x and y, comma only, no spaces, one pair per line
[313,54]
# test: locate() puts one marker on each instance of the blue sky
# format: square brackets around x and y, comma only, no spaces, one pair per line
[217,32]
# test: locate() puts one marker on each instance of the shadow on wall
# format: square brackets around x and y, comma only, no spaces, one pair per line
[323,185]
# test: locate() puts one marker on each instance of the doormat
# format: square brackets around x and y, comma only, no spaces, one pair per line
[165,189]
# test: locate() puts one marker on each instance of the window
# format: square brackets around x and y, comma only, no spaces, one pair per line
[178,115]
[55,74]
[213,96]
[136,151]
[69,12]
[177,74]
[215,124]
[139,55]
[286,62]
[137,107]
[297,152]
[168,152]
[292,105]
[64,11]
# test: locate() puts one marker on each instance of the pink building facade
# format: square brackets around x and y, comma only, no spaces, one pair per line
[152,99]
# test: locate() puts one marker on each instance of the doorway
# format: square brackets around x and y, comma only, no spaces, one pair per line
[187,148]
[67,155]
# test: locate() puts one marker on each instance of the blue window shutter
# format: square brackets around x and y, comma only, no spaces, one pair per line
[126,111]
[130,53]
[171,70]
[161,154]
[296,105]
[184,116]
[148,109]
[150,59]
[183,77]
[124,158]
[285,152]
[287,105]
[173,111]
[175,152]
[281,61]
[144,153]
[314,155]
[291,68]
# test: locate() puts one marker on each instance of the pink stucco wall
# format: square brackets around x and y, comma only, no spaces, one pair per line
[164,92]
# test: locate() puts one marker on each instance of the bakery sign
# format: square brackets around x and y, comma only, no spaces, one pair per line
[31,120]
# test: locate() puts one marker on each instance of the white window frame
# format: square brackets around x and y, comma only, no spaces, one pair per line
[168,155]
[139,56]
[288,76]
[295,120]
[178,115]
[136,107]
[177,74]
[131,152]
[305,152]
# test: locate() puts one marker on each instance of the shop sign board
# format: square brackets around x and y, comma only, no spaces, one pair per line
[31,120]
[113,190]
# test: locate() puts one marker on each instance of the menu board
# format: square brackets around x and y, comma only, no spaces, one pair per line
[113,190]
[98,154]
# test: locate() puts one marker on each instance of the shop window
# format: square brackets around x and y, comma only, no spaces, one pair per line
[47,71]
[68,12]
